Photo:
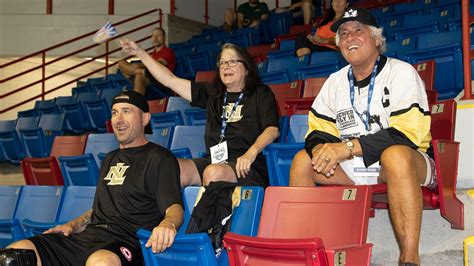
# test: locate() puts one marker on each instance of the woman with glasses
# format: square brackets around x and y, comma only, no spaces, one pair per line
[242,118]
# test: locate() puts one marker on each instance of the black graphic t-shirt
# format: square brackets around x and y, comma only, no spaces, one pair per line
[135,187]
[256,111]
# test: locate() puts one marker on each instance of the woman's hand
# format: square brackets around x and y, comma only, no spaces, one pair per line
[244,163]
[129,47]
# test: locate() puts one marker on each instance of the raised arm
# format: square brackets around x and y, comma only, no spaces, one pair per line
[159,71]
[75,226]
[162,236]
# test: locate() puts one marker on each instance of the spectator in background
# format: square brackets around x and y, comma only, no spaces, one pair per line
[143,82]
[323,39]
[248,15]
[138,188]
[371,124]
[305,8]
[242,118]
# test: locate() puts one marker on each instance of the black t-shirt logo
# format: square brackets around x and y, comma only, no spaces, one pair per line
[116,174]
[346,119]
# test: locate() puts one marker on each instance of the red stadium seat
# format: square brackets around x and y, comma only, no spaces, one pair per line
[426,70]
[46,171]
[311,89]
[158,105]
[208,76]
[284,91]
[301,29]
[446,155]
[312,86]
[259,52]
[307,226]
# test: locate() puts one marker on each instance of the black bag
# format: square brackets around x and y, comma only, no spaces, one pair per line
[213,213]
[17,257]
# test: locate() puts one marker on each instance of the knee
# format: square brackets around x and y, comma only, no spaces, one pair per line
[212,173]
[398,156]
[103,258]
[300,164]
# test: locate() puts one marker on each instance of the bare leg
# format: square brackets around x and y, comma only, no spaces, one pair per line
[103,257]
[229,17]
[127,68]
[140,82]
[307,11]
[26,244]
[189,174]
[302,173]
[403,170]
[219,172]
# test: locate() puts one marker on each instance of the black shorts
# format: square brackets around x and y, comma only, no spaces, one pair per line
[57,249]
[258,175]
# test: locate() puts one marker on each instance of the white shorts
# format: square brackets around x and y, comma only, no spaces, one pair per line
[431,181]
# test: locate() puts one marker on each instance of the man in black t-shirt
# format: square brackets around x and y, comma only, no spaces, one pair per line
[139,187]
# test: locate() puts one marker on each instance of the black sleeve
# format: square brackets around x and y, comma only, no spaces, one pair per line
[267,107]
[200,92]
[374,144]
[169,186]
[318,137]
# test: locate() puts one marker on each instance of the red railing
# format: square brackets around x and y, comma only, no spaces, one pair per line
[43,53]
[467,53]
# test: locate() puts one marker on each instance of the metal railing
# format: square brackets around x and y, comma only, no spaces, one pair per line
[467,53]
[44,64]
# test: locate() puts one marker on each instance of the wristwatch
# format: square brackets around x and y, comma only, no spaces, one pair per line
[350,146]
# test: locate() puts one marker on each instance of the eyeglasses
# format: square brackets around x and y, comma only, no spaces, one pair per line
[229,63]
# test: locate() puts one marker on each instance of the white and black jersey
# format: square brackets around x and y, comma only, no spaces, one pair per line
[399,112]
[136,186]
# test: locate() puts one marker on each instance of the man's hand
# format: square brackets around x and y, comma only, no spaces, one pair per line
[162,237]
[327,156]
[65,229]
[129,47]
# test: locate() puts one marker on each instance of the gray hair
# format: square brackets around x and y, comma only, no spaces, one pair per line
[377,34]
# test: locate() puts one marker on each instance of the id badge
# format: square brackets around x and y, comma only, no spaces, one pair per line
[219,153]
[361,171]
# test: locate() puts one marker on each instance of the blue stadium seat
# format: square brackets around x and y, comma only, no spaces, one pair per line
[275,25]
[286,66]
[38,138]
[47,107]
[298,128]
[317,70]
[163,124]
[98,112]
[199,61]
[279,157]
[77,119]
[284,124]
[195,117]
[191,137]
[397,49]
[100,143]
[196,249]
[29,113]
[11,141]
[38,203]
[180,104]
[75,201]
[82,88]
[81,170]
[9,196]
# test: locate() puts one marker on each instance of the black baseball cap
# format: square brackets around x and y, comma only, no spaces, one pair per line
[134,98]
[356,14]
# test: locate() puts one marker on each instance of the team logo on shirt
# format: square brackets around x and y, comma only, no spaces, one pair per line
[116,174]
[346,119]
[236,116]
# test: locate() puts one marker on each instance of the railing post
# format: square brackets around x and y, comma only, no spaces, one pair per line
[172,7]
[466,50]
[277,4]
[49,7]
[206,12]
[160,13]
[106,58]
[43,74]
[111,7]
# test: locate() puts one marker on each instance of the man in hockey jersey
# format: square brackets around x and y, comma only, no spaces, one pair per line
[370,124]
[138,187]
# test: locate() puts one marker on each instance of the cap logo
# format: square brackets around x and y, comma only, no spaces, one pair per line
[350,13]
[122,96]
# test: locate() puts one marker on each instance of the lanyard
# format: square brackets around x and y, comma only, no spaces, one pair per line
[224,119]
[369,96]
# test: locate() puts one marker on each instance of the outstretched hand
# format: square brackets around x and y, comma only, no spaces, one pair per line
[129,46]
[65,229]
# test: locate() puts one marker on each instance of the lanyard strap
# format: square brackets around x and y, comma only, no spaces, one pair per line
[224,119]
[369,96]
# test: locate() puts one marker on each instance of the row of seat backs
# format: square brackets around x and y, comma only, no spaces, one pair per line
[30,136]
[307,226]
[196,249]
[42,206]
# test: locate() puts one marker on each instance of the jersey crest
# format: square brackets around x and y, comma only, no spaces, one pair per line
[116,174]
[236,116]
